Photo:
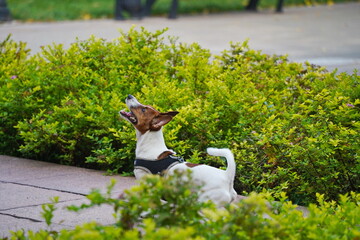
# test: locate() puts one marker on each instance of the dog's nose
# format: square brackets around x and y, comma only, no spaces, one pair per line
[130,97]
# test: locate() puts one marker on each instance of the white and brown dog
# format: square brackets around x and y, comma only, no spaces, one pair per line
[153,157]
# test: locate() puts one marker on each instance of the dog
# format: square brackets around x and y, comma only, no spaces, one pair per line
[153,157]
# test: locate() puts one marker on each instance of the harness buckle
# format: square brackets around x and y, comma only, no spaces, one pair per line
[177,158]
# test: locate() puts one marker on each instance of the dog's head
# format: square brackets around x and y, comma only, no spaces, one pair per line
[145,118]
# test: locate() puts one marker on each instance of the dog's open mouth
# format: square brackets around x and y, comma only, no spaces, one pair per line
[128,115]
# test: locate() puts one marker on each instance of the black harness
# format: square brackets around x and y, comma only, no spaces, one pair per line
[158,166]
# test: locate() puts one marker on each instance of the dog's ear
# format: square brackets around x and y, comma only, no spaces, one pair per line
[171,113]
[161,120]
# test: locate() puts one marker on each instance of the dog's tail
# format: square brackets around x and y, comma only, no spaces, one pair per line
[225,152]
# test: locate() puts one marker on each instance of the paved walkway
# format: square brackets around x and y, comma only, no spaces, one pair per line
[27,184]
[325,35]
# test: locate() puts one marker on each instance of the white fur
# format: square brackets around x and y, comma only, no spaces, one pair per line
[217,184]
[146,151]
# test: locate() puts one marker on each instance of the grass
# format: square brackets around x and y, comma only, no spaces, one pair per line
[58,10]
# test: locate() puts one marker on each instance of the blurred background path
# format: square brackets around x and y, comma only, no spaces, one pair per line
[323,35]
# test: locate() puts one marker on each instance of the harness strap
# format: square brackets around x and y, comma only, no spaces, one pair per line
[158,166]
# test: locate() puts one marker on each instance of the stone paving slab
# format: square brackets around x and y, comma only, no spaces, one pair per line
[23,211]
[25,185]
[9,223]
[80,183]
[57,177]
[63,217]
[14,196]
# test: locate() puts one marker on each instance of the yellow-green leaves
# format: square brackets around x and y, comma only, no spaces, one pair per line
[293,127]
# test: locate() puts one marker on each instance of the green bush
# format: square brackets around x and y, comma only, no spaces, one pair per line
[142,215]
[293,127]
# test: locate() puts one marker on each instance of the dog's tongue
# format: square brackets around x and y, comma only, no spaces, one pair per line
[128,115]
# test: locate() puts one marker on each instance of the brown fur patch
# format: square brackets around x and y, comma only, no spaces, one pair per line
[164,155]
[144,115]
[191,165]
[150,119]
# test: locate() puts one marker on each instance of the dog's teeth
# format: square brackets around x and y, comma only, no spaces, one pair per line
[132,119]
